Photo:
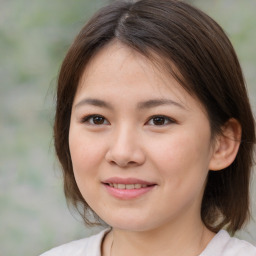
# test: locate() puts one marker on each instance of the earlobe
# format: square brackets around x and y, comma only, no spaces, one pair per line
[226,146]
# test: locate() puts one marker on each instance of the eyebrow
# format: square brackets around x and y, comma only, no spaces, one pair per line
[94,102]
[158,102]
[141,105]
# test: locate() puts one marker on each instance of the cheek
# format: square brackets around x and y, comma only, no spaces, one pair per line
[86,157]
[85,152]
[183,158]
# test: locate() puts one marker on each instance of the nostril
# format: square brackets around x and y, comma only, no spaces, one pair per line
[123,164]
[124,157]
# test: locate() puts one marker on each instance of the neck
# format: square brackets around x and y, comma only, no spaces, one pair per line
[190,241]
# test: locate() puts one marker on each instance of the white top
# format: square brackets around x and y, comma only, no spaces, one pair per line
[221,245]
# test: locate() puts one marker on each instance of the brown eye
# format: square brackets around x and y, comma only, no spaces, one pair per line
[95,120]
[98,120]
[160,121]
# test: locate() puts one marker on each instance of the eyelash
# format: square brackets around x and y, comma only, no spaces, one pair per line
[87,119]
[166,120]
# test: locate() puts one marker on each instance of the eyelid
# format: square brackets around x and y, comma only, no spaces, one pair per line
[86,119]
[169,119]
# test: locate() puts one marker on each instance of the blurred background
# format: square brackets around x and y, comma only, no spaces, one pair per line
[34,37]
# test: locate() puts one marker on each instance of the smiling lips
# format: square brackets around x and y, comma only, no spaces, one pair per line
[127,188]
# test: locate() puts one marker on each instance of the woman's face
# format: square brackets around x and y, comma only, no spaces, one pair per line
[140,145]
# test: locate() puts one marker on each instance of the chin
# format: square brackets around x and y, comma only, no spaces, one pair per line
[130,224]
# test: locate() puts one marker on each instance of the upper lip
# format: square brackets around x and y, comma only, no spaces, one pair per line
[118,180]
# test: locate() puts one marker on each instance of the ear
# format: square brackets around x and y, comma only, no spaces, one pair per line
[226,145]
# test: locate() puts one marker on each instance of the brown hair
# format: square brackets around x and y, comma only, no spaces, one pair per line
[208,68]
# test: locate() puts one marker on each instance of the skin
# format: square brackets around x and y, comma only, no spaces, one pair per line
[174,153]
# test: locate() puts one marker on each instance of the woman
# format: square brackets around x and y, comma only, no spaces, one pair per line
[155,133]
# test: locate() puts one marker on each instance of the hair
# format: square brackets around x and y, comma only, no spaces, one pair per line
[197,52]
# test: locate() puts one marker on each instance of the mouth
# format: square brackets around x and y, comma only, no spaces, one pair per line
[126,189]
[127,186]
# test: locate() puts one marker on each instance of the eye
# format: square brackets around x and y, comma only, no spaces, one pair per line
[95,120]
[160,120]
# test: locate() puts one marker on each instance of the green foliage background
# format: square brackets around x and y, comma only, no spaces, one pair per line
[34,36]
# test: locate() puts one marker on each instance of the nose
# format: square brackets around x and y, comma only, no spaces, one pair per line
[125,149]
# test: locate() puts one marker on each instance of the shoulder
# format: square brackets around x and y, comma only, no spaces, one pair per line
[80,247]
[224,245]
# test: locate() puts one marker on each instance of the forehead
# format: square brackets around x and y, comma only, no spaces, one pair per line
[118,61]
[117,67]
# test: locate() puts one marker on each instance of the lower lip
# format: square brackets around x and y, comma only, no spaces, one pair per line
[127,194]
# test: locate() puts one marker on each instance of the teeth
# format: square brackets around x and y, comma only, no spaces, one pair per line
[137,186]
[121,186]
[127,186]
